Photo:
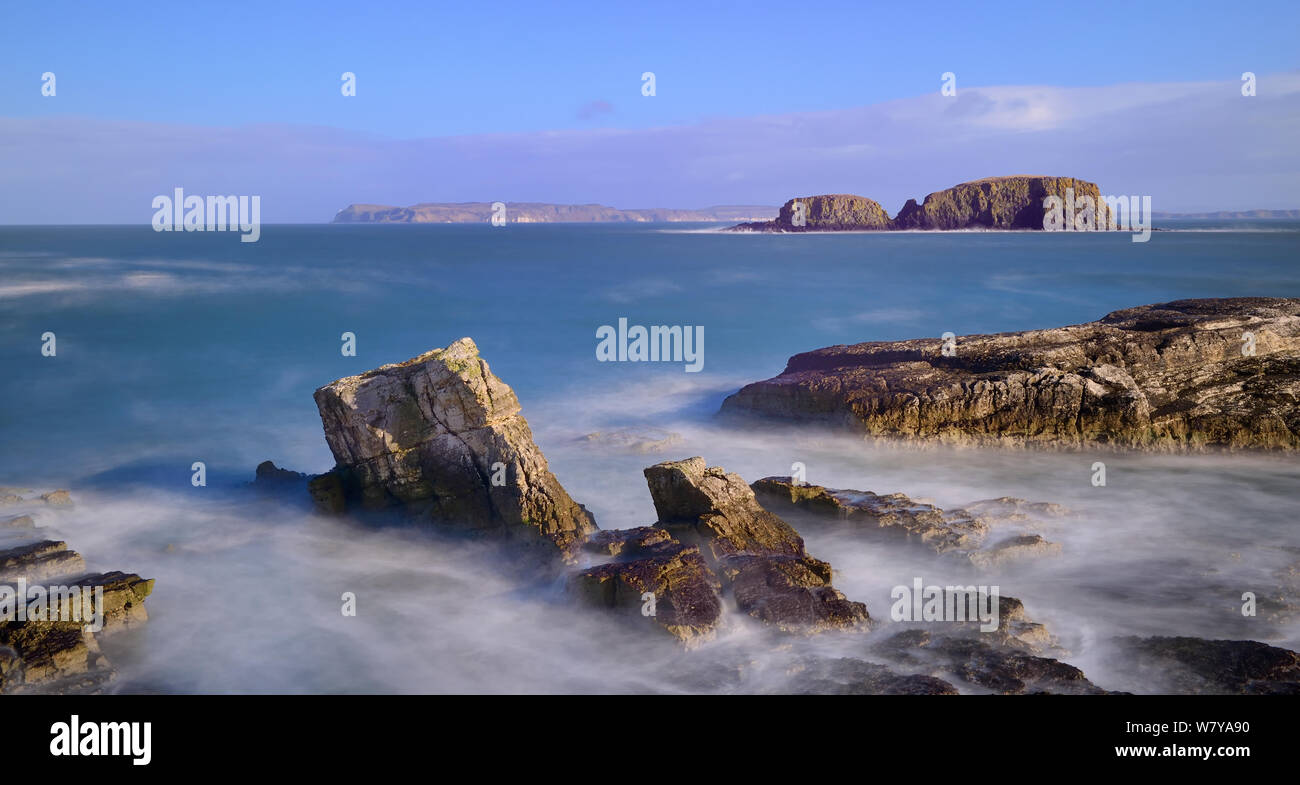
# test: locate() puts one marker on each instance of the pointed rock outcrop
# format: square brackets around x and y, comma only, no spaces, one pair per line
[760,557]
[442,438]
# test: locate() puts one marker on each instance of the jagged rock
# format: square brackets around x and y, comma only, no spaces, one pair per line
[848,676]
[686,601]
[18,522]
[1014,202]
[792,594]
[706,505]
[1200,666]
[441,437]
[760,557]
[826,213]
[1169,376]
[270,476]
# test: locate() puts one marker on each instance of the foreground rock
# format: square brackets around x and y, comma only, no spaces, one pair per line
[650,566]
[1199,666]
[759,557]
[1171,376]
[47,647]
[440,437]
[1014,202]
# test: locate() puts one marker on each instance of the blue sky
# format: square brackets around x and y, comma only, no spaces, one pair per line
[431,70]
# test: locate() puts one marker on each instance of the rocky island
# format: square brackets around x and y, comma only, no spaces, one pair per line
[1014,202]
[1183,375]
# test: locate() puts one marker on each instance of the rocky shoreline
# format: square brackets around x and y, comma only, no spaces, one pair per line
[1177,376]
[439,441]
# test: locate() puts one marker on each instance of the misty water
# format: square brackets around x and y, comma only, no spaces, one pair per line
[176,348]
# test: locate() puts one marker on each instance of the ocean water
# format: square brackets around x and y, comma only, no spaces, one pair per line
[174,348]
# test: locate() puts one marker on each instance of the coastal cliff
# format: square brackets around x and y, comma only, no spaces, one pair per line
[1014,202]
[1182,375]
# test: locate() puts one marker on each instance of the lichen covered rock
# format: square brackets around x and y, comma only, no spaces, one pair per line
[442,438]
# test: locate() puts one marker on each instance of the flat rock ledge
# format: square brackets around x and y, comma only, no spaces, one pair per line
[962,533]
[51,653]
[1176,376]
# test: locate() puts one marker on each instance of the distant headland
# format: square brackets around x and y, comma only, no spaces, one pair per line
[541,212]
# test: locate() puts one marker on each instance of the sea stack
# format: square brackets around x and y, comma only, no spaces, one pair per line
[442,438]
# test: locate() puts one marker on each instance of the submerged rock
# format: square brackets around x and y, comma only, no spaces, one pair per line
[987,664]
[638,440]
[1200,666]
[1187,374]
[892,517]
[760,557]
[899,519]
[849,676]
[440,437]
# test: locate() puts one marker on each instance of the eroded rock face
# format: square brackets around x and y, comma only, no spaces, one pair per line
[1014,202]
[1171,376]
[441,437]
[760,557]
